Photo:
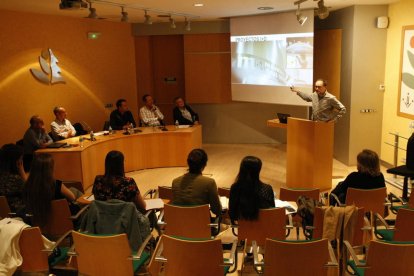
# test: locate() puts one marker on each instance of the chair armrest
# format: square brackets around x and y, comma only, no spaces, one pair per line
[59,241]
[255,249]
[233,251]
[352,253]
[141,249]
[382,220]
[79,213]
[158,256]
[395,198]
[333,260]
[151,192]
[290,224]
[336,198]
[160,218]
[148,213]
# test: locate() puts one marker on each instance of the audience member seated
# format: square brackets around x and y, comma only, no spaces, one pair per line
[35,138]
[248,194]
[114,184]
[193,188]
[150,114]
[42,187]
[61,127]
[121,118]
[12,176]
[183,113]
[368,176]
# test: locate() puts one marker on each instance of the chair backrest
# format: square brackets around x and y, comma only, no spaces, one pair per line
[404,225]
[165,192]
[288,194]
[372,200]
[59,221]
[411,201]
[31,246]
[4,207]
[270,224]
[222,191]
[296,257]
[187,221]
[388,258]
[358,232]
[102,255]
[192,257]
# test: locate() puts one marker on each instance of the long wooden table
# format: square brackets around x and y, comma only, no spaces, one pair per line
[151,148]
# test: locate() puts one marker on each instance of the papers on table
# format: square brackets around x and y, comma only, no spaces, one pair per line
[183,126]
[154,203]
[290,206]
[89,198]
[224,202]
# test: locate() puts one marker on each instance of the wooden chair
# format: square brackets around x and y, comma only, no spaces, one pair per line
[271,223]
[106,254]
[384,258]
[188,221]
[165,192]
[4,208]
[36,256]
[188,257]
[372,200]
[223,191]
[287,194]
[403,230]
[404,204]
[296,258]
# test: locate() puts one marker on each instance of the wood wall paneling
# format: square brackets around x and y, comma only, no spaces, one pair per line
[207,43]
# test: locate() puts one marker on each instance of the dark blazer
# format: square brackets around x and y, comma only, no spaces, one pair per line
[179,117]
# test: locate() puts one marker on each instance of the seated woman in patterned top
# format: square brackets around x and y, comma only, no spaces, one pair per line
[12,176]
[248,194]
[114,184]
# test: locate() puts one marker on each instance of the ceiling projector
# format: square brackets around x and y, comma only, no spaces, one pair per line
[72,4]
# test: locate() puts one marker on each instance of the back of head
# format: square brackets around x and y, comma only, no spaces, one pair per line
[247,187]
[40,188]
[197,160]
[9,156]
[368,162]
[114,164]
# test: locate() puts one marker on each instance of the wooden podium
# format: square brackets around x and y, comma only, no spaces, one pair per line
[309,153]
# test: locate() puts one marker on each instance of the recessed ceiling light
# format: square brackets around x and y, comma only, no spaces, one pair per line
[198,5]
[265,8]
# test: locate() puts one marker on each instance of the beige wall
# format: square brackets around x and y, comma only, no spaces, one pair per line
[362,71]
[96,71]
[400,14]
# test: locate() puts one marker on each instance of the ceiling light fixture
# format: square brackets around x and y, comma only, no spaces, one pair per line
[124,17]
[92,12]
[322,10]
[147,17]
[265,8]
[187,25]
[300,17]
[198,5]
[172,23]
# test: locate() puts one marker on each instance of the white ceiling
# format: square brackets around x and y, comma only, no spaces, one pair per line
[212,9]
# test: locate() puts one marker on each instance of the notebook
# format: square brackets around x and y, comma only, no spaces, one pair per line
[56,145]
[283,117]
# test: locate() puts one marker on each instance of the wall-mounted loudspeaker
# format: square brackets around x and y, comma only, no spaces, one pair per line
[382,22]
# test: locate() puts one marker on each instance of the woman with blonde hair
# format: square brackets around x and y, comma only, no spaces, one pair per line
[368,176]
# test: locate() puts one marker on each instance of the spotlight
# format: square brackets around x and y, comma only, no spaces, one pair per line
[124,14]
[147,17]
[300,17]
[322,11]
[92,12]
[187,25]
[172,23]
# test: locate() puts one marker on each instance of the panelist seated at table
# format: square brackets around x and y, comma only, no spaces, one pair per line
[150,114]
[114,184]
[61,127]
[193,188]
[183,113]
[121,118]
[248,194]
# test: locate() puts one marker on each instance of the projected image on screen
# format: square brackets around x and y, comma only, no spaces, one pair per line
[274,60]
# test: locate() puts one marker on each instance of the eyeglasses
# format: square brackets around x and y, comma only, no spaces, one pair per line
[318,86]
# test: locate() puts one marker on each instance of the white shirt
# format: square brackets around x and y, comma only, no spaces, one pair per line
[60,130]
[150,117]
